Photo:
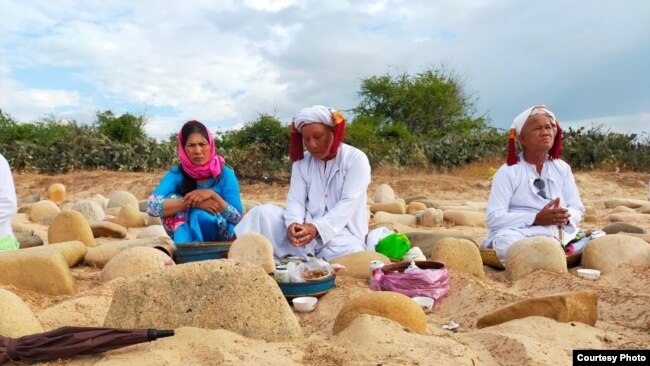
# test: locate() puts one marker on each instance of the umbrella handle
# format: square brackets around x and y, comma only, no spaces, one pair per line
[153,334]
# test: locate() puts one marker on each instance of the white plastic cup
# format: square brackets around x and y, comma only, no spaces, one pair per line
[304,304]
[375,266]
[426,303]
[281,274]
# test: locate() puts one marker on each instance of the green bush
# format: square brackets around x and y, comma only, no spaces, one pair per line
[423,103]
[395,145]
[43,132]
[258,150]
[55,146]
[595,147]
[126,128]
[89,154]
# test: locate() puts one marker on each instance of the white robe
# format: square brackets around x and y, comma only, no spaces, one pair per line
[514,203]
[8,202]
[331,195]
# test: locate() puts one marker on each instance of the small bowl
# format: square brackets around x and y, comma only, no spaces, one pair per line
[589,274]
[304,304]
[426,303]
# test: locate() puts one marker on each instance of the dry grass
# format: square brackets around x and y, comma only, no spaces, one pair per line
[484,168]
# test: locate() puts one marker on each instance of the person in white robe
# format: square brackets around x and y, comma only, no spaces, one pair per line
[8,206]
[326,209]
[534,193]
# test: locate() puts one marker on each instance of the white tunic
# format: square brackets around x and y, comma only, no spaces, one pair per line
[331,195]
[514,202]
[8,202]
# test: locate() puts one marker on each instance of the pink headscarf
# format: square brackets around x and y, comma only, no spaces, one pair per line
[208,170]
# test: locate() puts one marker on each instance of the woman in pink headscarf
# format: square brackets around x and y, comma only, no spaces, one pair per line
[534,193]
[199,199]
[326,214]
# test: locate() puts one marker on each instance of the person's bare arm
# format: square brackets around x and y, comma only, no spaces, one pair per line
[173,205]
[194,198]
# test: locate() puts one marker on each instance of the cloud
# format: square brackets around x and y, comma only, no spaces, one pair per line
[29,104]
[226,62]
[623,123]
[268,5]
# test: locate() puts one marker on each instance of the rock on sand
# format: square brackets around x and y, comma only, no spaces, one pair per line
[70,225]
[16,318]
[387,304]
[134,261]
[253,248]
[581,306]
[610,251]
[530,254]
[213,294]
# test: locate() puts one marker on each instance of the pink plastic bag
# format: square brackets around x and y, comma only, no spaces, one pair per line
[418,282]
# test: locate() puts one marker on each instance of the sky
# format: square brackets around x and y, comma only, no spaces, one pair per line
[226,62]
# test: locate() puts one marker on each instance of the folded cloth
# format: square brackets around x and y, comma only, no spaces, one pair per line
[577,245]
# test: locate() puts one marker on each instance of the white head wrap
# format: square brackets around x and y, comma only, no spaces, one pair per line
[521,119]
[315,114]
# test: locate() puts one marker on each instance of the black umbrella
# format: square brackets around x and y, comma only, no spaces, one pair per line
[69,341]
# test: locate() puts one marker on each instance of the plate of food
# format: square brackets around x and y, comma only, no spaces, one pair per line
[317,274]
[316,287]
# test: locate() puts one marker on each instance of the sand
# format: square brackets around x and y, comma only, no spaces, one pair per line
[623,314]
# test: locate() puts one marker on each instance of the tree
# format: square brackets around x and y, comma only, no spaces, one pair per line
[427,102]
[127,128]
[258,150]
[266,132]
[8,128]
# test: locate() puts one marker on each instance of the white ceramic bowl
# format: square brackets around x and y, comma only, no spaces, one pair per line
[304,304]
[589,274]
[426,303]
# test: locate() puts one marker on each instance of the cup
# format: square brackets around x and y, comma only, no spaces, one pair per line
[426,303]
[375,266]
[304,304]
[281,274]
[589,274]
[292,259]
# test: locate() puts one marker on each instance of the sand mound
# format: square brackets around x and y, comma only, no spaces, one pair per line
[623,293]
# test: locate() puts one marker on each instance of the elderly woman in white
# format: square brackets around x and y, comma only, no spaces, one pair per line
[326,213]
[8,206]
[534,194]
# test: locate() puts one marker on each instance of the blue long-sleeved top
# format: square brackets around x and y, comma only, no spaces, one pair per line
[194,224]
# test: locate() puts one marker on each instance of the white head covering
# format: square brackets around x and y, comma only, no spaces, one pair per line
[518,125]
[315,114]
[521,119]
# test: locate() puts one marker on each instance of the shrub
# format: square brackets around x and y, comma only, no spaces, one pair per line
[259,150]
[592,148]
[126,128]
[424,102]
